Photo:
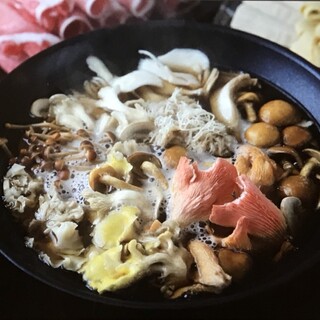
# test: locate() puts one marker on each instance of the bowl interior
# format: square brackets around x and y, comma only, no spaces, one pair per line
[63,67]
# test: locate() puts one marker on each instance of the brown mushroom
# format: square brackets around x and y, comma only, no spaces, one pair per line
[286,151]
[301,185]
[209,272]
[279,113]
[295,136]
[137,158]
[235,263]
[173,154]
[248,101]
[262,135]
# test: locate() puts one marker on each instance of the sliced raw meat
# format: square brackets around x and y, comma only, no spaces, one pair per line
[48,14]
[94,8]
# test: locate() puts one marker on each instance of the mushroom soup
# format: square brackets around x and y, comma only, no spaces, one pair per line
[176,172]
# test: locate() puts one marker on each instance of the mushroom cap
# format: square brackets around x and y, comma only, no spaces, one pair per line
[96,174]
[262,135]
[299,186]
[137,158]
[279,113]
[40,108]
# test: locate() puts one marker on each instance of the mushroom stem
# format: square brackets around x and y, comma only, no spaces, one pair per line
[310,165]
[251,113]
[35,125]
[286,150]
[4,147]
[117,183]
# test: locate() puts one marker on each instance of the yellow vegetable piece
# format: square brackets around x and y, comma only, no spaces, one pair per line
[107,272]
[116,227]
[119,163]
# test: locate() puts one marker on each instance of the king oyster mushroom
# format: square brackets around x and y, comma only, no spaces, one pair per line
[223,101]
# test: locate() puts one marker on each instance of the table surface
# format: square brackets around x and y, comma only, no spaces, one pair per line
[23,297]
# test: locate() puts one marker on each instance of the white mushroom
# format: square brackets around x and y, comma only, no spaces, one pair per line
[223,101]
[186,60]
[125,115]
[155,66]
[97,66]
[134,80]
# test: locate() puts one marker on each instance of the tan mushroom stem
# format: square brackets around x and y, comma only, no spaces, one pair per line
[36,125]
[151,170]
[4,147]
[137,158]
[117,183]
[248,100]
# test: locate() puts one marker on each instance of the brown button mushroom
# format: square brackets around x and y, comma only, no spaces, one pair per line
[137,158]
[298,186]
[295,136]
[262,135]
[173,154]
[279,113]
[302,185]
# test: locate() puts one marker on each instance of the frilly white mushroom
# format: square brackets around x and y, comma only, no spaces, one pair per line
[134,80]
[126,116]
[155,66]
[96,65]
[21,191]
[70,113]
[223,101]
[65,237]
[53,210]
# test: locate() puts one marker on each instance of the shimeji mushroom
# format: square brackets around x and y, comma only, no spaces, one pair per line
[262,135]
[279,113]
[137,158]
[302,185]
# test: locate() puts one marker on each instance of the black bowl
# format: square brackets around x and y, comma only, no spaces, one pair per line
[63,67]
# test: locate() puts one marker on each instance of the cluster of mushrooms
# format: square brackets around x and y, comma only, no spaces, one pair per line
[137,141]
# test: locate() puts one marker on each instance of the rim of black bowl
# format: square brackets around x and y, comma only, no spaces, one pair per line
[176,304]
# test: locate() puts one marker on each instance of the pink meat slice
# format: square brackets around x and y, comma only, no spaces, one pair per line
[94,8]
[20,38]
[76,23]
[138,8]
[263,218]
[194,191]
[47,14]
